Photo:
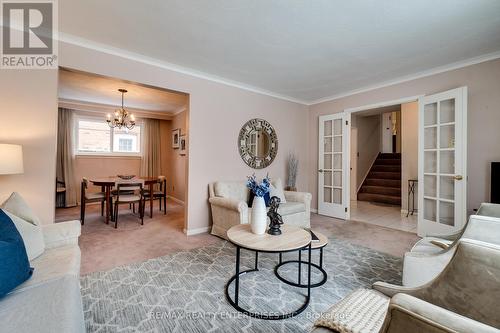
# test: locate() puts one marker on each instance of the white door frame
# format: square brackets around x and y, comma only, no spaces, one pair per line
[348,112]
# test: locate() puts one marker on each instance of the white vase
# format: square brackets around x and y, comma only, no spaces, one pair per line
[258,221]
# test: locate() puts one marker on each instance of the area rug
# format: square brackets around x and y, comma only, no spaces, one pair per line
[184,291]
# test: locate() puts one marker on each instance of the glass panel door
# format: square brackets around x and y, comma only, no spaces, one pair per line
[331,172]
[442,164]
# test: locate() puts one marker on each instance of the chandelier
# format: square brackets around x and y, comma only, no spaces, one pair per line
[121,118]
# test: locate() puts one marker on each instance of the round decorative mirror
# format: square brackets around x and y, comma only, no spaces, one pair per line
[258,143]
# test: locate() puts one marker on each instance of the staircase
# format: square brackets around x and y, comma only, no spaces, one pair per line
[383,183]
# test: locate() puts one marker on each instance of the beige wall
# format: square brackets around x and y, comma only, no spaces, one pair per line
[104,166]
[483,118]
[397,114]
[216,115]
[217,111]
[409,152]
[174,166]
[369,132]
[28,110]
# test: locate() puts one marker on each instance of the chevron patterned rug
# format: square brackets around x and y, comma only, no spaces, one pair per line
[184,291]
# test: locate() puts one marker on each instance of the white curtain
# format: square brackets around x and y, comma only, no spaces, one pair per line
[151,160]
[65,157]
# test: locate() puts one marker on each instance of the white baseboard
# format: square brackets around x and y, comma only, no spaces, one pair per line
[314,210]
[196,231]
[404,212]
[175,199]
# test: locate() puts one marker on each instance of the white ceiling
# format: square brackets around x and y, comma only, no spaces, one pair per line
[306,50]
[93,89]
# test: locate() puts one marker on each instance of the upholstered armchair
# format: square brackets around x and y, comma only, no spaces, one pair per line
[434,244]
[431,254]
[229,205]
[464,297]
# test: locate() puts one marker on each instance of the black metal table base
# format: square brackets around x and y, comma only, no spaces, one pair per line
[300,262]
[236,279]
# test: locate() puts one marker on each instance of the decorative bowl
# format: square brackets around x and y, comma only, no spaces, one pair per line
[126,177]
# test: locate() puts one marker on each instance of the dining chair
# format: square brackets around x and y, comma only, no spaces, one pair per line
[89,197]
[60,194]
[123,196]
[159,195]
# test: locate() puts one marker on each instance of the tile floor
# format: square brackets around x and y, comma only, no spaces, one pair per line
[383,215]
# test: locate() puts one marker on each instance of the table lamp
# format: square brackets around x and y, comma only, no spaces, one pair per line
[11,159]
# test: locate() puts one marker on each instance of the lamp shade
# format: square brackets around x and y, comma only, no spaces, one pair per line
[11,159]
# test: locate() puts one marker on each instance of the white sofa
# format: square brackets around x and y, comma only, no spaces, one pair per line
[50,301]
[228,201]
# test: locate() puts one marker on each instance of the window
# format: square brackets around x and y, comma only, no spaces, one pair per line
[95,137]
[127,141]
[125,144]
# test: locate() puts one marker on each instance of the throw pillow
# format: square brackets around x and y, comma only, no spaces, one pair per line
[276,190]
[14,265]
[32,236]
[363,310]
[16,205]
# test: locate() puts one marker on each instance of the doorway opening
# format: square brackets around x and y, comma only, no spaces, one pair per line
[384,160]
[433,167]
[96,155]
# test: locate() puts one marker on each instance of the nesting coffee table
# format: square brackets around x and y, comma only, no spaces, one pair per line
[292,239]
[321,242]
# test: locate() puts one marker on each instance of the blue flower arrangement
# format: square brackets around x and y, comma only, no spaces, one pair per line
[261,189]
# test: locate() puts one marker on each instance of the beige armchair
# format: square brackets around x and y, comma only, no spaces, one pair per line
[434,244]
[463,297]
[430,255]
[229,204]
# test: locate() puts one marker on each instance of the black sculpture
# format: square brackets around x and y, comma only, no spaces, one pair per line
[274,216]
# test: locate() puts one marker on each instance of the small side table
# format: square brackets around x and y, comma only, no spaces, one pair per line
[323,241]
[291,239]
[412,183]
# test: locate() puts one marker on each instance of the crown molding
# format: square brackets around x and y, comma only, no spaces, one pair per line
[411,77]
[85,43]
[181,110]
[78,41]
[107,108]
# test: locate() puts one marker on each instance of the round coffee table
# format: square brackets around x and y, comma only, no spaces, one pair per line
[291,239]
[318,245]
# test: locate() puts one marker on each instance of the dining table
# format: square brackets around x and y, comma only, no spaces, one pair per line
[109,182]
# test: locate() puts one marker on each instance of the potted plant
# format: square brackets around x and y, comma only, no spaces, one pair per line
[258,221]
[293,168]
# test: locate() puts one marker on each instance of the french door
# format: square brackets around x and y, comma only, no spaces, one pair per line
[333,189]
[442,162]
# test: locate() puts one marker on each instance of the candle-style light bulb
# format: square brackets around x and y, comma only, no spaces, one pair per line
[132,117]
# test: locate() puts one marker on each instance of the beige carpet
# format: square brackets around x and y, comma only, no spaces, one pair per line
[104,247]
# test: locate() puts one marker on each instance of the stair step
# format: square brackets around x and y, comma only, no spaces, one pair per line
[384,175]
[387,161]
[390,156]
[387,199]
[386,168]
[392,191]
[383,182]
